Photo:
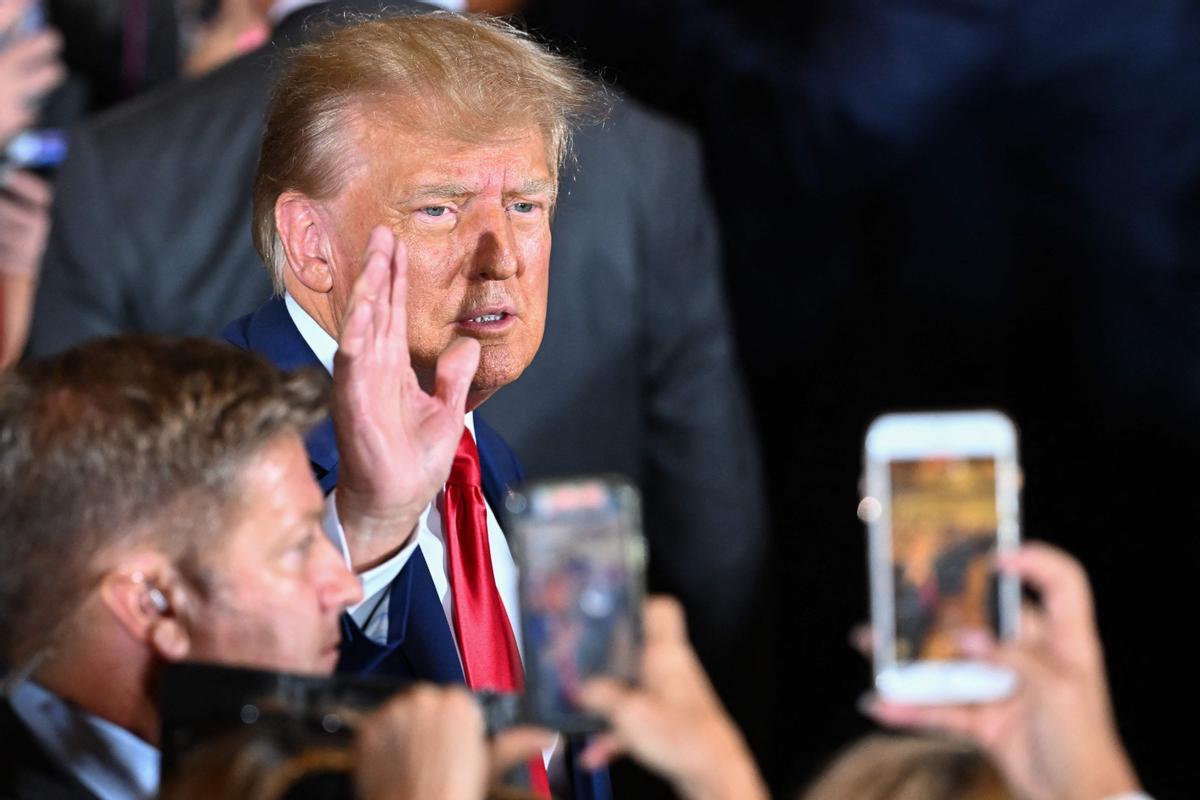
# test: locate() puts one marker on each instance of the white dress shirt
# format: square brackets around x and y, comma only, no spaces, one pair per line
[372,613]
[108,760]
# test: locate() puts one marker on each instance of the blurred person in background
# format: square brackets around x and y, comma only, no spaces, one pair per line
[235,28]
[116,50]
[113,50]
[29,68]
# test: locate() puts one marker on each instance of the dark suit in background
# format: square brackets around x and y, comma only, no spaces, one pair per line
[26,771]
[932,203]
[636,373]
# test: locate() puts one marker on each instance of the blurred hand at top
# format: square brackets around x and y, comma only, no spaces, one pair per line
[24,226]
[29,68]
[1055,738]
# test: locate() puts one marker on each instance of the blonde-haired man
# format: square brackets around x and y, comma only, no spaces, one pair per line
[438,138]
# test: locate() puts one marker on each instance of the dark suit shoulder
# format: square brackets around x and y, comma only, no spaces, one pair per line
[26,772]
[208,121]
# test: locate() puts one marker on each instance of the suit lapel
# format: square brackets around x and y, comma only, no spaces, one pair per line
[423,632]
[498,466]
[420,644]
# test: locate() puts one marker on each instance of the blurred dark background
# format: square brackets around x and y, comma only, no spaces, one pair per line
[952,203]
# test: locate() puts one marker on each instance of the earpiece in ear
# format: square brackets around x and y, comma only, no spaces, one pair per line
[152,595]
[157,599]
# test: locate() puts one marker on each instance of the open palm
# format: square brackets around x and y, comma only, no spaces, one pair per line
[395,441]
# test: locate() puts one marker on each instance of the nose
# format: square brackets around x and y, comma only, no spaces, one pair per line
[494,257]
[337,586]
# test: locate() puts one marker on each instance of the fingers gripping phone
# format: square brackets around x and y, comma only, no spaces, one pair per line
[941,499]
[582,582]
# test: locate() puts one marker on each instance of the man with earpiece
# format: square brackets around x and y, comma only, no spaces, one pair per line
[157,505]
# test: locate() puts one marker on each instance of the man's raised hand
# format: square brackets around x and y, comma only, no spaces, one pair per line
[395,442]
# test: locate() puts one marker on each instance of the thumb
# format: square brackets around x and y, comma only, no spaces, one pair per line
[602,695]
[517,745]
[456,368]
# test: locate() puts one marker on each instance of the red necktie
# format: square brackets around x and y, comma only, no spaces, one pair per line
[486,643]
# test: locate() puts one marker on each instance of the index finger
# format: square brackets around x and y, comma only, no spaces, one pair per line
[517,745]
[1063,585]
[664,620]
[397,332]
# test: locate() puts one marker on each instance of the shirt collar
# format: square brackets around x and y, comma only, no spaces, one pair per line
[107,759]
[317,338]
[324,346]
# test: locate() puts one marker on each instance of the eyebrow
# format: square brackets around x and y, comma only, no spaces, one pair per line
[438,190]
[432,191]
[536,186]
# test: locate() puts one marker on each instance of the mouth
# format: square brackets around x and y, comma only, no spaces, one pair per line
[487,320]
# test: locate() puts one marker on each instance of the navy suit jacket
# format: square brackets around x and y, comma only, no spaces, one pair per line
[420,644]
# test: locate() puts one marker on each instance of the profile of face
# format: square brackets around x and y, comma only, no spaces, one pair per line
[475,220]
[277,585]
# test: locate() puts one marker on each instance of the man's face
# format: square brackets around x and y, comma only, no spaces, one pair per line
[475,218]
[277,585]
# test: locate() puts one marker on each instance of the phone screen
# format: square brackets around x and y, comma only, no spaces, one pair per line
[582,578]
[944,525]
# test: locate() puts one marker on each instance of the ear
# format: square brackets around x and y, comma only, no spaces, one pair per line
[146,595]
[306,239]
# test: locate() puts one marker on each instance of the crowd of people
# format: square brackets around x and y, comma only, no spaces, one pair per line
[243,363]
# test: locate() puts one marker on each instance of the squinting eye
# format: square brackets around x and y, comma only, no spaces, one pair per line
[434,211]
[523,208]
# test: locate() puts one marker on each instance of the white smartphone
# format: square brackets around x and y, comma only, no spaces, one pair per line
[941,498]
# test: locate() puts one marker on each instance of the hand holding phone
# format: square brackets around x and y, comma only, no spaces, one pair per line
[582,583]
[29,68]
[941,499]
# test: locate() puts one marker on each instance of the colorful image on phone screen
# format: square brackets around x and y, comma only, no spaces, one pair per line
[943,527]
[580,594]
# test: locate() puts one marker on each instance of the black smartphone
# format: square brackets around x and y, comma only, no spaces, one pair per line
[582,558]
